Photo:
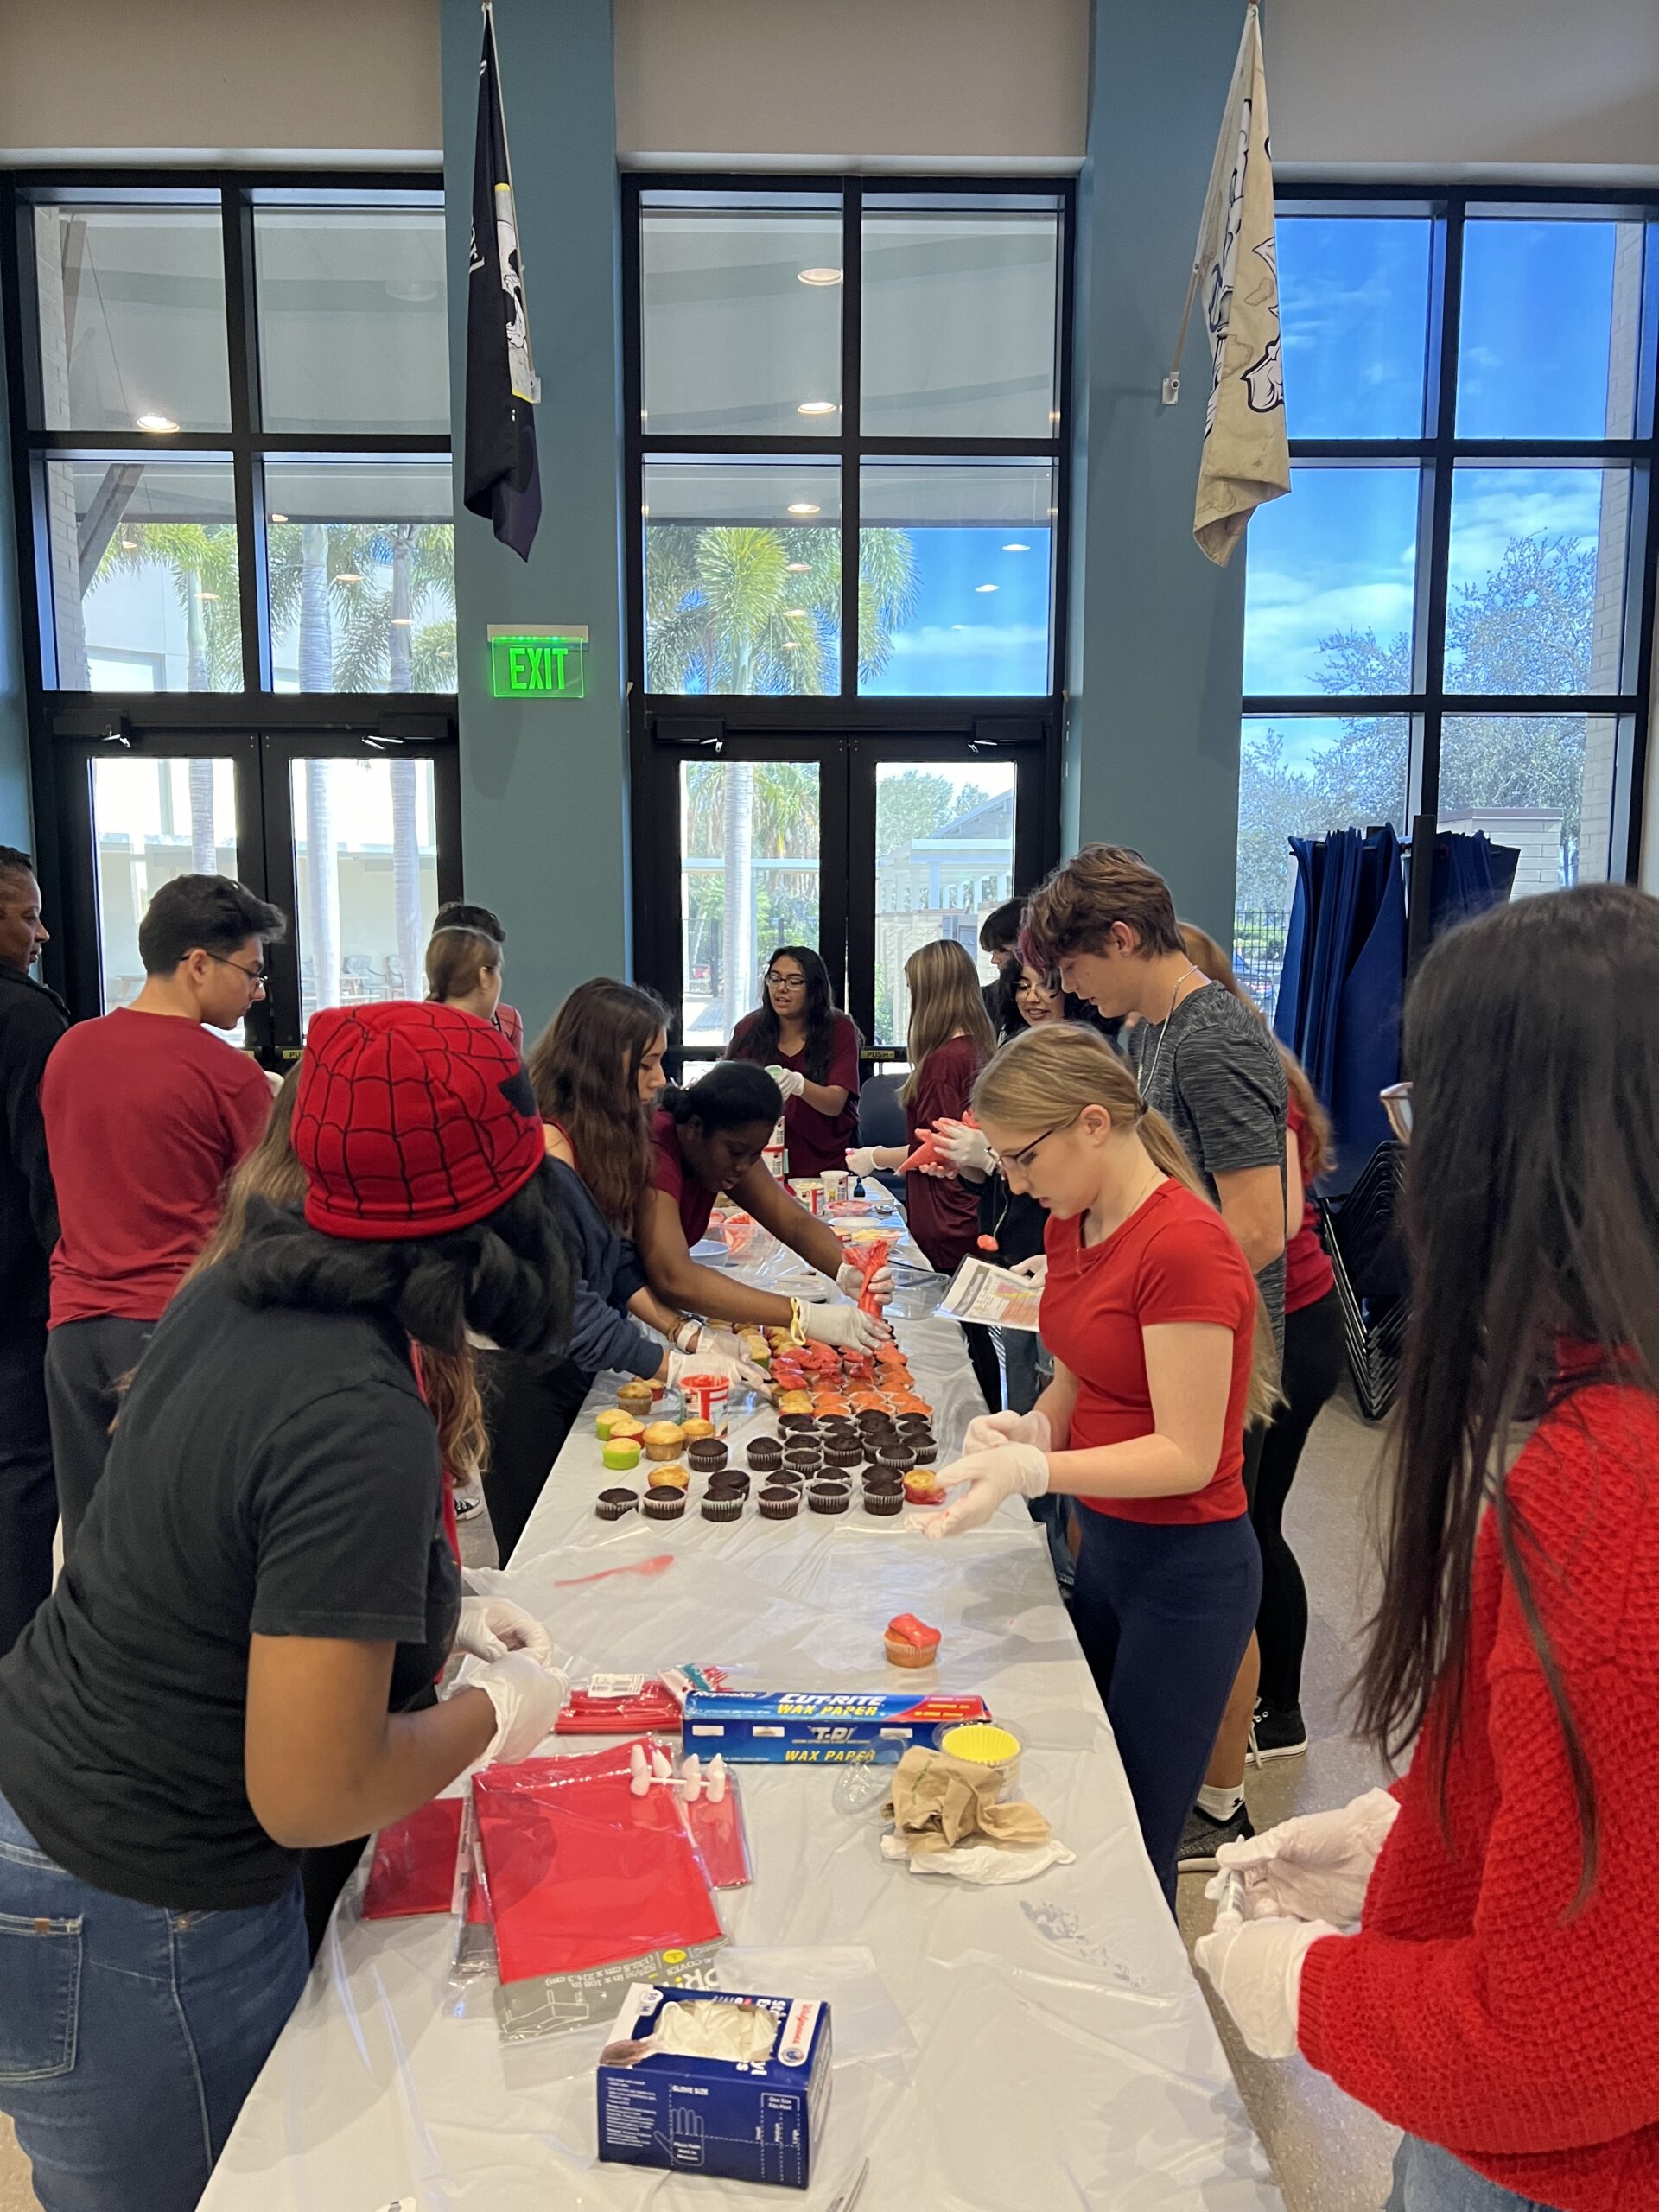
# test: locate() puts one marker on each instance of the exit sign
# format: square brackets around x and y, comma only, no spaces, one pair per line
[527,663]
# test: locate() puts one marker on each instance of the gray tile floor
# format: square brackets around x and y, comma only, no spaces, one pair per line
[1329,2154]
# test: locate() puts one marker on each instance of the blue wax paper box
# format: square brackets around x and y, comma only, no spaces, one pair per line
[822,1727]
[706,2081]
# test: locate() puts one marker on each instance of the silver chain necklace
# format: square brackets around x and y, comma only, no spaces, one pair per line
[1190,969]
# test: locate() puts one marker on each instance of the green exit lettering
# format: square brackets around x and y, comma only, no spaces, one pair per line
[538,668]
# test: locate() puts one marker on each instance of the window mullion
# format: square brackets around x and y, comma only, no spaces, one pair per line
[241,353]
[852,327]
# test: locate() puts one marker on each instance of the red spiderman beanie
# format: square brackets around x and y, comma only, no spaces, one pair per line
[410,1119]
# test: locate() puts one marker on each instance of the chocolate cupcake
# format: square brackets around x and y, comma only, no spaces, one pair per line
[722,1509]
[796,1424]
[895,1458]
[805,1458]
[843,1455]
[909,1422]
[612,1504]
[923,1449]
[765,1453]
[663,1505]
[873,1418]
[828,1497]
[876,1478]
[734,1483]
[886,1502]
[779,1501]
[707,1456]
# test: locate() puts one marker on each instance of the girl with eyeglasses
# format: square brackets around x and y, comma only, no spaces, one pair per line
[1496,2000]
[1161,1351]
[813,1049]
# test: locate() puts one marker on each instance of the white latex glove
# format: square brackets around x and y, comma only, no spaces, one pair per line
[790,1080]
[722,1343]
[851,1279]
[1315,1867]
[491,1627]
[703,1361]
[526,1696]
[989,1431]
[844,1326]
[1035,1269]
[861,1160]
[1257,1969]
[965,1148]
[1011,1471]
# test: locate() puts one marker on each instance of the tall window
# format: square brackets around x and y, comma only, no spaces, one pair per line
[1442,621]
[845,432]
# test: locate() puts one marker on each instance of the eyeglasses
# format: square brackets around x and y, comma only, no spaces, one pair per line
[1023,1158]
[775,981]
[1396,1104]
[258,977]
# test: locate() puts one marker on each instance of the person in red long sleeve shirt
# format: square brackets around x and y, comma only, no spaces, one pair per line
[1495,2002]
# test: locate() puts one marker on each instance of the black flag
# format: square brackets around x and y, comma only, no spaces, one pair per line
[502,478]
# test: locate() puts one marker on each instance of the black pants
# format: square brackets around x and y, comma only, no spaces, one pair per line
[1313,1357]
[981,1353]
[85,1363]
[528,1408]
[28,1496]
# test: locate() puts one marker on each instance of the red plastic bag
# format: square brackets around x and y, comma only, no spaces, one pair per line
[413,1870]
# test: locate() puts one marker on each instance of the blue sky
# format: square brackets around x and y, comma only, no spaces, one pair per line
[1341,551]
[963,640]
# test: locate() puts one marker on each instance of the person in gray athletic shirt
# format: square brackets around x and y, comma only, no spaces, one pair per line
[1105,921]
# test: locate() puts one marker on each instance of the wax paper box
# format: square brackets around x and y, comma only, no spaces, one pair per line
[822,1727]
[667,2098]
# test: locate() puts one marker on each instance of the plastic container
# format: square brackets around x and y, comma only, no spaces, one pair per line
[706,1397]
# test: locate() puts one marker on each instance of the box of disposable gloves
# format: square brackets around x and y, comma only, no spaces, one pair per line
[706,2082]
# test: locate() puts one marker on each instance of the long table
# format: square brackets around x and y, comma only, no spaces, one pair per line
[1017,2049]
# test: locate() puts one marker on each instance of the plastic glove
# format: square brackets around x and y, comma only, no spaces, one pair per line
[989,1431]
[844,1326]
[851,1279]
[722,1343]
[526,1696]
[1315,1867]
[491,1627]
[790,1080]
[861,1160]
[965,1148]
[1257,1973]
[703,1361]
[1035,1269]
[1010,1470]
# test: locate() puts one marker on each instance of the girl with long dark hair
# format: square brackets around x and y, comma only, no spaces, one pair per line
[261,1589]
[798,1032]
[596,1071]
[1495,2002]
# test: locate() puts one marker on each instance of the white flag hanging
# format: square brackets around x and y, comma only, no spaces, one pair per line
[1246,451]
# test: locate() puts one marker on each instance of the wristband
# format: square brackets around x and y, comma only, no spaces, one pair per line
[689,1328]
[796,1322]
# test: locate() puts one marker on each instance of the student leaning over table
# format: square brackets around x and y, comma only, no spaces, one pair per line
[707,1143]
[1497,2002]
[596,1070]
[1161,1349]
[261,1584]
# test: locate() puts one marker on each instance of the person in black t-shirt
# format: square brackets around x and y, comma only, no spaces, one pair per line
[260,1587]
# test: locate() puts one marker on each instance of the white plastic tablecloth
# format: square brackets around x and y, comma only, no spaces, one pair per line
[1008,2050]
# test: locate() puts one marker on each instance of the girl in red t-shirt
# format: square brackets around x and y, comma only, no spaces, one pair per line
[1161,1352]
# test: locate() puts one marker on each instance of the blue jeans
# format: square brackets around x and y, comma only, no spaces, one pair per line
[1164,1612]
[1428,2179]
[129,2035]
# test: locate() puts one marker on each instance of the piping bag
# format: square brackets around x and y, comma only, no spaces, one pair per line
[868,1257]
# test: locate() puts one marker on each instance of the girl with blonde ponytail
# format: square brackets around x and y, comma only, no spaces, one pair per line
[1161,1353]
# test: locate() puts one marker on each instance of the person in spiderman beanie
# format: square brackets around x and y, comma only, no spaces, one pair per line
[260,1588]
[1497,1999]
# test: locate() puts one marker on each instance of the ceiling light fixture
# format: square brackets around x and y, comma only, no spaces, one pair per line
[401,621]
[795,614]
[348,576]
[129,545]
[818,276]
[802,508]
[275,517]
[816,407]
[985,587]
[207,595]
[798,568]
[1016,548]
[156,422]
[790,646]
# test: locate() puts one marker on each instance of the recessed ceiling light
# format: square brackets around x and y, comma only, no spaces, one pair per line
[816,407]
[818,276]
[798,568]
[156,422]
[401,621]
[351,576]
[802,508]
[795,614]
[1016,548]
[207,595]
[790,646]
[984,587]
[275,517]
[129,545]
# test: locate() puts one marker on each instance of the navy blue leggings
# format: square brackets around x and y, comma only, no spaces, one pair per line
[1163,1615]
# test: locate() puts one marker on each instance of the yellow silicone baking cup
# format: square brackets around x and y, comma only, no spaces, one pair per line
[981,1744]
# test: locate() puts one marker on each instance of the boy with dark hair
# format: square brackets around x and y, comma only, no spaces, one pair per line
[461,914]
[1107,923]
[32,1019]
[999,940]
[146,1114]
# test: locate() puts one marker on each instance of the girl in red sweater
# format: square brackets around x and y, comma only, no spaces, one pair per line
[1496,2000]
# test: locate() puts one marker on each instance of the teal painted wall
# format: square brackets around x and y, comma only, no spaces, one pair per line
[545,783]
[1156,642]
[13,713]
